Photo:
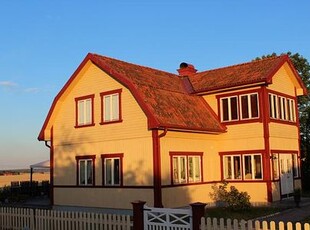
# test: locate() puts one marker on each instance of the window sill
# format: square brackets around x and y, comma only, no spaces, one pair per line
[83,126]
[110,122]
[294,123]
[237,122]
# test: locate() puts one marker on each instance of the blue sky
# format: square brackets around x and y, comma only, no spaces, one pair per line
[42,42]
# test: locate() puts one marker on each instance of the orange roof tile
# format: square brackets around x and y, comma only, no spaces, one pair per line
[162,96]
[253,72]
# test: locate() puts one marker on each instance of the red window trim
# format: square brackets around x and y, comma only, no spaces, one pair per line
[77,99]
[84,157]
[102,94]
[241,153]
[278,120]
[187,154]
[238,94]
[112,155]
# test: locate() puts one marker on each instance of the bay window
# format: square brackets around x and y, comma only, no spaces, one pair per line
[282,108]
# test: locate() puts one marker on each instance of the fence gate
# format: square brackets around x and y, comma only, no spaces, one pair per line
[167,219]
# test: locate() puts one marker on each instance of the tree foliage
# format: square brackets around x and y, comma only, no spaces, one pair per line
[302,66]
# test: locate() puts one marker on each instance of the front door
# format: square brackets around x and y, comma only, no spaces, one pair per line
[286,174]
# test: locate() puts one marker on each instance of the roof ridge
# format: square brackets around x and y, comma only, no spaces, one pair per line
[142,66]
[244,63]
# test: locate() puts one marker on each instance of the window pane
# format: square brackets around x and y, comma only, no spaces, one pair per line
[115,107]
[89,172]
[227,167]
[87,111]
[108,171]
[275,106]
[107,108]
[225,109]
[183,169]
[197,169]
[258,167]
[175,170]
[254,105]
[275,163]
[295,164]
[82,172]
[116,171]
[245,107]
[247,167]
[237,167]
[289,110]
[194,169]
[234,108]
[80,112]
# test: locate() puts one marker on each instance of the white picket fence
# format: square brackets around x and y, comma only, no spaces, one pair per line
[18,218]
[228,224]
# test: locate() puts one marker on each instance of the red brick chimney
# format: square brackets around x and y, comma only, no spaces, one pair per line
[186,69]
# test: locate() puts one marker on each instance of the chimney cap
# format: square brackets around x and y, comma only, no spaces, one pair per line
[186,69]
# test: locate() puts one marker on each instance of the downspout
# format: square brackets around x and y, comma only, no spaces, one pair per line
[51,195]
[157,167]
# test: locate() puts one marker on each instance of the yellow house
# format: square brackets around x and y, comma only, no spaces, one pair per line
[120,132]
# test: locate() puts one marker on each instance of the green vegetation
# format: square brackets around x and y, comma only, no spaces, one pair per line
[232,198]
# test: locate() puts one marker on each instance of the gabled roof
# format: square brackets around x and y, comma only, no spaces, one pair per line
[162,96]
[250,73]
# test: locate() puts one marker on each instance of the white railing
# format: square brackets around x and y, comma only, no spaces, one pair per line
[167,218]
[221,224]
[18,218]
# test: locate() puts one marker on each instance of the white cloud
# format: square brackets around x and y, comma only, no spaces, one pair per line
[8,84]
[31,90]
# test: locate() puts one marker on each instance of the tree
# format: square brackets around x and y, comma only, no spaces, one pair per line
[302,66]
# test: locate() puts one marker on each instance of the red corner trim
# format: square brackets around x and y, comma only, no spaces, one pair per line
[41,136]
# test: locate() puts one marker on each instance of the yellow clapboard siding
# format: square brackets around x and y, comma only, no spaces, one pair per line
[282,81]
[98,197]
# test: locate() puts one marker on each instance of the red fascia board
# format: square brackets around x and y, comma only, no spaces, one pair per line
[153,123]
[290,63]
[64,88]
[190,129]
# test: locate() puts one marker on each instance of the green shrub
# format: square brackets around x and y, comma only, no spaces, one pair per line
[232,198]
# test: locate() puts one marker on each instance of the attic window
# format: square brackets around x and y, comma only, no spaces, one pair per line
[84,111]
[111,106]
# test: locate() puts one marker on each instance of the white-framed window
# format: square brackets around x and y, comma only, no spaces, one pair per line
[252,166]
[85,173]
[232,167]
[282,108]
[249,106]
[111,106]
[186,168]
[242,166]
[84,110]
[112,169]
[229,108]
[239,107]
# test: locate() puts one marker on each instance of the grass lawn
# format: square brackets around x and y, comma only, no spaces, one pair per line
[254,212]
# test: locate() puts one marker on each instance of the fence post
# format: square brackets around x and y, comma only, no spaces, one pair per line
[198,210]
[138,218]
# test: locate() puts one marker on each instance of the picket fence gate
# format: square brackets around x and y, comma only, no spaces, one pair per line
[167,219]
[228,224]
[21,218]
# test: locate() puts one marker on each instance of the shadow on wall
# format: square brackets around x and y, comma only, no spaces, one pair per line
[137,178]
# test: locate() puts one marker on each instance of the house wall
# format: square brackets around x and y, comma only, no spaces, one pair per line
[130,137]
